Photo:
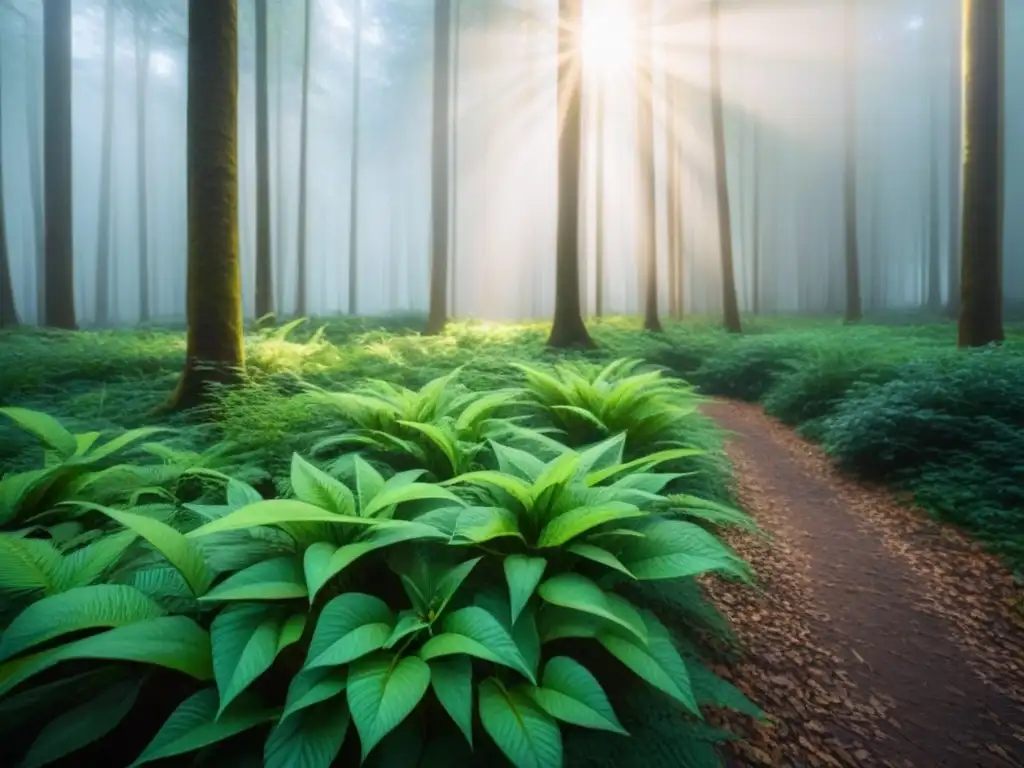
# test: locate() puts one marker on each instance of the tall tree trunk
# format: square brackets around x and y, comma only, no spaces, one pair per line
[981,277]
[955,141]
[453,245]
[106,182]
[300,258]
[142,35]
[599,212]
[730,306]
[755,249]
[648,245]
[568,328]
[33,64]
[214,351]
[934,276]
[60,263]
[853,302]
[279,207]
[8,310]
[438,314]
[353,186]
[672,197]
[264,260]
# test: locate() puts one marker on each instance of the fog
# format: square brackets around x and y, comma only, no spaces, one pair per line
[783,88]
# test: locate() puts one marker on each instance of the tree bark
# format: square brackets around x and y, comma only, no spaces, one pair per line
[142,35]
[981,276]
[214,350]
[453,230]
[853,301]
[755,250]
[279,207]
[672,197]
[264,262]
[934,276]
[438,314]
[568,328]
[648,245]
[599,212]
[106,181]
[955,141]
[730,305]
[353,186]
[59,267]
[8,308]
[300,258]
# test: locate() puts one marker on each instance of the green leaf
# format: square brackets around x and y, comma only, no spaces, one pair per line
[82,725]
[240,494]
[642,464]
[519,489]
[513,461]
[710,689]
[350,626]
[314,486]
[606,453]
[194,725]
[452,681]
[45,428]
[245,640]
[571,590]
[527,736]
[312,686]
[179,551]
[311,738]
[476,632]
[278,579]
[570,693]
[450,582]
[100,605]
[382,691]
[27,565]
[674,549]
[277,512]
[367,479]
[391,495]
[574,522]
[88,563]
[408,623]
[523,574]
[174,642]
[600,556]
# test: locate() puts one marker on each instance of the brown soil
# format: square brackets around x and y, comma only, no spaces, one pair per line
[880,638]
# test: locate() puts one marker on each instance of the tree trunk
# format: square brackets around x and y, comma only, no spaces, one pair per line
[264,261]
[8,310]
[214,350]
[279,207]
[672,197]
[33,129]
[106,181]
[955,140]
[437,317]
[300,258]
[453,230]
[853,302]
[934,276]
[981,278]
[568,328]
[730,306]
[60,264]
[142,34]
[353,185]
[599,212]
[647,234]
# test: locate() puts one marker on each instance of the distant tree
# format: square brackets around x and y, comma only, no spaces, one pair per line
[599,192]
[279,153]
[647,232]
[8,310]
[141,33]
[214,350]
[456,78]
[954,149]
[853,302]
[353,184]
[568,328]
[933,294]
[301,256]
[981,277]
[103,234]
[264,262]
[60,263]
[439,192]
[674,215]
[730,305]
[755,248]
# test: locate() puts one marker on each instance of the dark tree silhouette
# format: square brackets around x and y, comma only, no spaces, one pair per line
[353,184]
[647,233]
[439,192]
[853,303]
[141,32]
[300,278]
[264,264]
[103,233]
[8,310]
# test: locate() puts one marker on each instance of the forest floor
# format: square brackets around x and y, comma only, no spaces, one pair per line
[880,637]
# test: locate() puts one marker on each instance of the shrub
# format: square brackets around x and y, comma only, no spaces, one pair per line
[749,367]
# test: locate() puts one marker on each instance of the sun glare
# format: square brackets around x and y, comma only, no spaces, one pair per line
[607,36]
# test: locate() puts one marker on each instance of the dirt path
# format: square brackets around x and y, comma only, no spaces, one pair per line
[880,638]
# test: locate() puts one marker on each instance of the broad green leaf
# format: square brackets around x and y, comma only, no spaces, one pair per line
[513,461]
[519,489]
[278,579]
[711,511]
[555,623]
[122,441]
[277,512]
[449,584]
[350,626]
[570,693]
[382,691]
[368,481]
[46,428]
[441,440]
[710,689]
[88,563]
[408,623]
[606,453]
[310,738]
[240,494]
[600,556]
[642,464]
[245,640]
[523,574]
[314,486]
[311,686]
[174,642]
[675,549]
[92,607]
[474,631]
[571,590]
[556,472]
[574,522]
[399,494]
[452,681]
[27,565]
[479,525]
[527,637]
[82,725]
[527,736]
[194,725]
[179,551]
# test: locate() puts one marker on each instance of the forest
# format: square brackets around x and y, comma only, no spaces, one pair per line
[584,383]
